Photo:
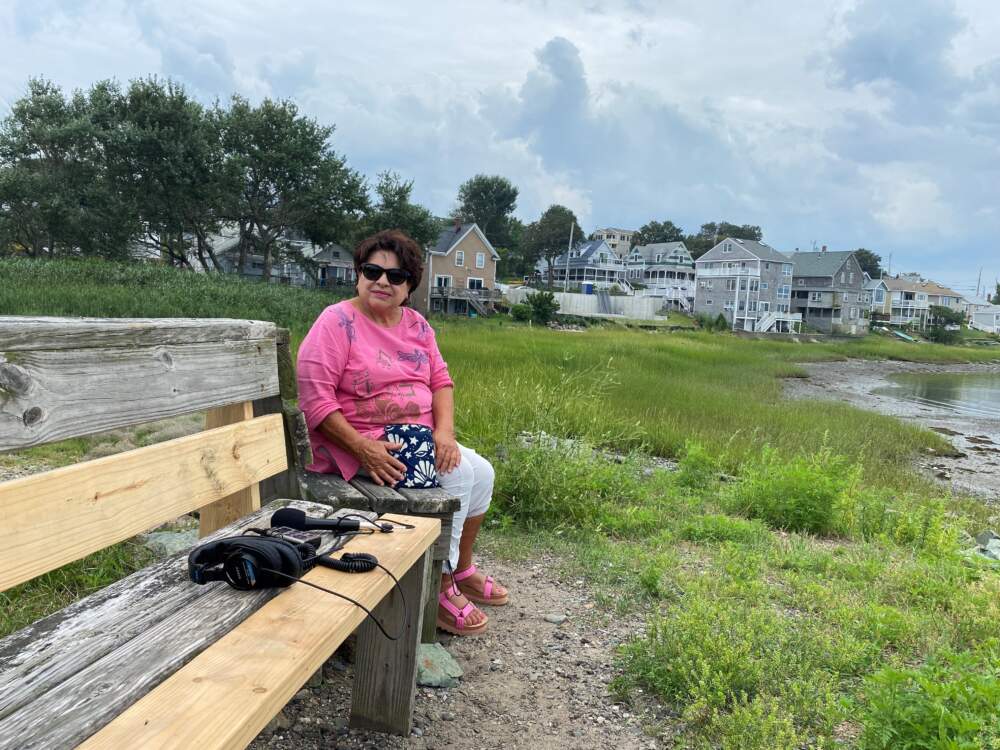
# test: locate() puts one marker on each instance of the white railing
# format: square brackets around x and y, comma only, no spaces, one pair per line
[716,272]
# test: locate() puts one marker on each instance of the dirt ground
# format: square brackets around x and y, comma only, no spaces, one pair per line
[528,683]
[975,467]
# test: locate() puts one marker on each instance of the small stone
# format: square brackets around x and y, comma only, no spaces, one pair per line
[417,732]
[335,664]
[316,681]
[279,722]
[555,619]
[447,716]
[986,537]
[302,695]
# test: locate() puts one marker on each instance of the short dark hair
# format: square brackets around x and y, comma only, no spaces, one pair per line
[405,247]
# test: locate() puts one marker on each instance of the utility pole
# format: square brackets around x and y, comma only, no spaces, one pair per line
[979,283]
[569,248]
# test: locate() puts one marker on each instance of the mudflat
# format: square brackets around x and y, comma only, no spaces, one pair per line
[975,466]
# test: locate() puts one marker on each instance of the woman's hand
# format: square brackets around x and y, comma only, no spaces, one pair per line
[377,459]
[446,453]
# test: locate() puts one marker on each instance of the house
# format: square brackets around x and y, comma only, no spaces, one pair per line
[619,240]
[986,319]
[829,291]
[592,265]
[666,269]
[941,296]
[904,303]
[749,283]
[972,305]
[460,274]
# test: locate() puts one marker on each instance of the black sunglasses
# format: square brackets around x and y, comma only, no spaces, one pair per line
[396,276]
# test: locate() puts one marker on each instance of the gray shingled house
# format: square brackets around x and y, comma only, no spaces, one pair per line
[829,291]
[748,282]
[591,266]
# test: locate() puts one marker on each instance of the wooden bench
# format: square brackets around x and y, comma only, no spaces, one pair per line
[154,660]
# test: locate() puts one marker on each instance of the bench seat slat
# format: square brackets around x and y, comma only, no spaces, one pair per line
[62,515]
[226,695]
[86,664]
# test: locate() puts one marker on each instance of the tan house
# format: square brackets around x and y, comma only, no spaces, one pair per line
[460,274]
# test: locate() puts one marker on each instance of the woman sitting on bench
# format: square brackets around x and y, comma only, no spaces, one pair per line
[372,362]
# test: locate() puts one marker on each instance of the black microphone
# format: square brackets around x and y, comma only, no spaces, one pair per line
[297,519]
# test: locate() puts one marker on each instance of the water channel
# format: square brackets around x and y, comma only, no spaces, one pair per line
[969,394]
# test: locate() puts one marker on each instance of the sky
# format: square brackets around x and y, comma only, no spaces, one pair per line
[854,123]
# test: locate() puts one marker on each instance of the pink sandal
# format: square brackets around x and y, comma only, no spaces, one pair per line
[459,627]
[486,597]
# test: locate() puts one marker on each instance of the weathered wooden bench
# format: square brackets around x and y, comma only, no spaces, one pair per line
[155,660]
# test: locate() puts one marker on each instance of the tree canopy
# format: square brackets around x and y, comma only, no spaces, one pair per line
[489,201]
[713,232]
[870,262]
[658,231]
[548,237]
[394,209]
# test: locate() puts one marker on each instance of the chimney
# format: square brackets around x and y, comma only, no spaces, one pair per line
[458,225]
[823,250]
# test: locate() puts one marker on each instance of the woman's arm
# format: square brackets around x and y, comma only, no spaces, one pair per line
[446,453]
[374,455]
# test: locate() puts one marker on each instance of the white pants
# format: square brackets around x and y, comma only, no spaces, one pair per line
[472,482]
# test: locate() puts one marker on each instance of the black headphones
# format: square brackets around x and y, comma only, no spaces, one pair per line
[247,562]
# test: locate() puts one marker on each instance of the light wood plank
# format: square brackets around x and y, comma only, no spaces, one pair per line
[225,696]
[385,672]
[245,500]
[48,395]
[27,333]
[75,707]
[54,518]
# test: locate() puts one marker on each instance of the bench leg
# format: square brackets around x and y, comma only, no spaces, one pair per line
[429,628]
[385,672]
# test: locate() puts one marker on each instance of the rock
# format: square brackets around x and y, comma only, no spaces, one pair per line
[417,732]
[992,549]
[447,716]
[164,543]
[302,695]
[985,537]
[555,619]
[279,722]
[316,681]
[436,667]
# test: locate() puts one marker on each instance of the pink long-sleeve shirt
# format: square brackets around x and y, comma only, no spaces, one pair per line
[374,375]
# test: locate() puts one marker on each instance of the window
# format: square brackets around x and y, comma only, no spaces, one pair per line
[784,307]
[767,266]
[728,306]
[764,307]
[763,285]
[480,261]
[730,285]
[843,277]
[754,285]
[854,312]
[879,296]
[727,248]
[743,285]
[709,302]
[659,257]
[815,296]
[475,283]
[802,282]
[850,277]
[786,269]
[784,291]
[459,257]
[442,281]
[846,297]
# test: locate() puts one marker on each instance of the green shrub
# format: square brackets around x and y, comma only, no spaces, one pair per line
[950,703]
[798,493]
[543,307]
[521,312]
[760,724]
[697,469]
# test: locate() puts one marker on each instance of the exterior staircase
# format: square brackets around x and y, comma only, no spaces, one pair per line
[766,323]
[604,303]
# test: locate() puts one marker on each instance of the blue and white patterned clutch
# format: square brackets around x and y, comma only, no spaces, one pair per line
[417,453]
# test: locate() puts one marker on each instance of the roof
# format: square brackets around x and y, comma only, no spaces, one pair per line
[932,287]
[585,254]
[820,264]
[874,283]
[616,229]
[650,251]
[454,234]
[759,249]
[896,284]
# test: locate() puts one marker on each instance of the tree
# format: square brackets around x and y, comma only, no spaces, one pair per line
[549,236]
[393,209]
[489,201]
[658,231]
[290,180]
[712,233]
[513,263]
[58,180]
[543,307]
[870,262]
[996,297]
[174,165]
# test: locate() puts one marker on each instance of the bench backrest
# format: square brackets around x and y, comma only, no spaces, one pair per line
[69,377]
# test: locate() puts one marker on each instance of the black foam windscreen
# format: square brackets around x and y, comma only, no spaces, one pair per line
[296,519]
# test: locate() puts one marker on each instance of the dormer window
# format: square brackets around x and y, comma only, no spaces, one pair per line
[659,257]
[727,248]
